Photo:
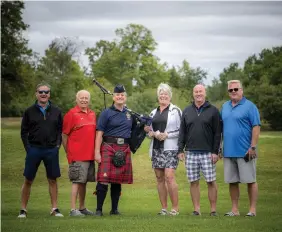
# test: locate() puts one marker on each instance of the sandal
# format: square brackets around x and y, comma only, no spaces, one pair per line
[231,214]
[173,212]
[163,212]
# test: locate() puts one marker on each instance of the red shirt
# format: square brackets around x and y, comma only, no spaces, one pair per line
[81,130]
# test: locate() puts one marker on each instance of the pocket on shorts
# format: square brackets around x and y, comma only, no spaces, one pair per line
[74,171]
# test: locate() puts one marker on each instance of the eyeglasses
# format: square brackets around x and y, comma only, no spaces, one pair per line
[43,91]
[233,90]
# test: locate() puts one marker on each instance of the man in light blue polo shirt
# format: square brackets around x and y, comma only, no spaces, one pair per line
[241,129]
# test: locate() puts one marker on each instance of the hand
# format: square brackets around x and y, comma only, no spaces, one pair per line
[252,154]
[163,136]
[97,157]
[214,158]
[181,156]
[157,135]
[151,134]
[147,129]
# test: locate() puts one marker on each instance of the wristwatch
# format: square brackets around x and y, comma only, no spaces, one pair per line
[254,148]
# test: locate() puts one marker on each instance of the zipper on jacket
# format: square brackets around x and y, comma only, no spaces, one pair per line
[197,112]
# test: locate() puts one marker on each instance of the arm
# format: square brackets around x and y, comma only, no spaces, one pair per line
[24,130]
[60,128]
[217,130]
[65,142]
[255,121]
[98,142]
[66,130]
[175,133]
[181,138]
[255,135]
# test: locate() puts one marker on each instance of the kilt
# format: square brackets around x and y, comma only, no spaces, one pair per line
[109,173]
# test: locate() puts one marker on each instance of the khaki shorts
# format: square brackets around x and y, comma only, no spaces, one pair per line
[82,172]
[237,170]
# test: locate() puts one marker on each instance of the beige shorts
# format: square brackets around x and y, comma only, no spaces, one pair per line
[82,171]
[237,170]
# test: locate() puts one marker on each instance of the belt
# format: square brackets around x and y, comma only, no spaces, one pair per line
[116,140]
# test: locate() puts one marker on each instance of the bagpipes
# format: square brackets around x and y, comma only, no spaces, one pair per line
[139,122]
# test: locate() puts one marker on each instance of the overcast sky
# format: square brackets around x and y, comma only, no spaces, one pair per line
[207,34]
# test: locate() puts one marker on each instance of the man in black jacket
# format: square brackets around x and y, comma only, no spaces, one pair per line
[199,137]
[41,133]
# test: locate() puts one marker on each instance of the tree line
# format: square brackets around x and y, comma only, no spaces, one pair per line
[128,59]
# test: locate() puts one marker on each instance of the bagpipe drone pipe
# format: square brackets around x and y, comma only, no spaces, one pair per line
[138,133]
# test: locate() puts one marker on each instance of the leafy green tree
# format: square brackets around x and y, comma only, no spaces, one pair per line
[62,72]
[129,56]
[189,77]
[263,84]
[14,53]
[218,90]
[174,78]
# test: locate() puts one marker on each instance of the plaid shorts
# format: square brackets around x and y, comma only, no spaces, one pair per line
[196,162]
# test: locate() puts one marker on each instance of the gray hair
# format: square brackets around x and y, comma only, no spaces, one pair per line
[165,88]
[82,91]
[43,84]
[234,81]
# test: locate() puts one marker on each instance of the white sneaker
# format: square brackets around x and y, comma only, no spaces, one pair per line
[56,213]
[76,213]
[22,214]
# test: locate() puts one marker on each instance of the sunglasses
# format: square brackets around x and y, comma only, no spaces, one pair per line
[233,90]
[43,91]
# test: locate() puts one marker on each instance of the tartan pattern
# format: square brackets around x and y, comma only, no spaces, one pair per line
[107,172]
[164,159]
[196,162]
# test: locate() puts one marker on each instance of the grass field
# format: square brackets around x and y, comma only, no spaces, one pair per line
[139,202]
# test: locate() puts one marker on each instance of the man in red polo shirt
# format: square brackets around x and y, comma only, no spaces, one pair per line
[79,127]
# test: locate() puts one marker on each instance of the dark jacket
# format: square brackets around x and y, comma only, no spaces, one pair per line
[39,130]
[200,130]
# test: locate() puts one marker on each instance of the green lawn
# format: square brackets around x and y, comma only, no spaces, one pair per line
[139,202]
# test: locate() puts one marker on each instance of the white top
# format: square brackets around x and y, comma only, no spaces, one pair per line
[172,128]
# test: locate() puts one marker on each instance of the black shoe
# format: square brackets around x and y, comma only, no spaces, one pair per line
[213,213]
[115,212]
[196,213]
[98,213]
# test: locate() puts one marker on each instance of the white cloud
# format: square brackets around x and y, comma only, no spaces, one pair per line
[209,35]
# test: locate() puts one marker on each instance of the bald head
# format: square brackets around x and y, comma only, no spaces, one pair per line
[199,86]
[199,94]
[83,99]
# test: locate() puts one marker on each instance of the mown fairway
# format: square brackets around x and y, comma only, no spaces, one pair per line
[139,202]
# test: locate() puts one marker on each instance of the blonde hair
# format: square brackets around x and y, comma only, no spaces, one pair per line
[234,81]
[165,88]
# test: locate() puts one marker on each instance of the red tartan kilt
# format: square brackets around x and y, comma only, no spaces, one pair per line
[107,172]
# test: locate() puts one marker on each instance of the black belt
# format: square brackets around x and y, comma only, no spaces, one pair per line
[116,140]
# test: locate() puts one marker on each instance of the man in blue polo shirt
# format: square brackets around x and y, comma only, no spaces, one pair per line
[241,129]
[112,151]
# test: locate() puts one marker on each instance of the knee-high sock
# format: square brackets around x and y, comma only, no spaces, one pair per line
[101,191]
[115,194]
